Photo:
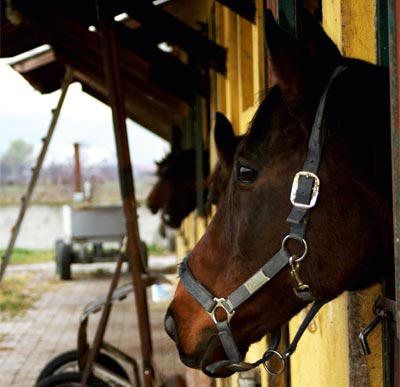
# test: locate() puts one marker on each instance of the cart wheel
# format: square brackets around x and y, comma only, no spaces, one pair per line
[63,259]
[70,379]
[68,362]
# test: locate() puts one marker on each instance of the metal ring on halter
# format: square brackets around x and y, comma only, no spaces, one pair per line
[294,262]
[281,357]
[220,303]
[301,257]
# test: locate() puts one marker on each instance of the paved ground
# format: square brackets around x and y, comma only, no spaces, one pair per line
[27,343]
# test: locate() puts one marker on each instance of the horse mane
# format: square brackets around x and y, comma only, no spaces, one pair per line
[165,160]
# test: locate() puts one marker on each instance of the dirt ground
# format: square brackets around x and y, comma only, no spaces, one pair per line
[50,327]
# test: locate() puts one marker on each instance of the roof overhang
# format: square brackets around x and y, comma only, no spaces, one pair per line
[159,86]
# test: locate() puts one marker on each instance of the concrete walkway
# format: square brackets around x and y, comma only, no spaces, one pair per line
[28,342]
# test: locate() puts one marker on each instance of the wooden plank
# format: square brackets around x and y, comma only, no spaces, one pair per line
[46,78]
[394,55]
[382,33]
[35,61]
[147,104]
[17,39]
[140,109]
[163,69]
[205,51]
[394,59]
[159,125]
[270,79]
[244,8]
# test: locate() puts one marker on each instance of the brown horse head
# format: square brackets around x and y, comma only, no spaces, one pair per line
[175,190]
[174,193]
[349,230]
[226,143]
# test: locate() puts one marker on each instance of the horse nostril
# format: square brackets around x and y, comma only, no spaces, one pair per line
[166,217]
[171,221]
[152,207]
[170,326]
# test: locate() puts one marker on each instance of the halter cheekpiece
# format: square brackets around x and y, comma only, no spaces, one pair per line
[303,196]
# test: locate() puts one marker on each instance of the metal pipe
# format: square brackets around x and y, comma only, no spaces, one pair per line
[394,67]
[116,97]
[199,158]
[68,77]
[105,314]
[77,169]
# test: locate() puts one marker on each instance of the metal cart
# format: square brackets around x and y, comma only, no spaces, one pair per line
[91,228]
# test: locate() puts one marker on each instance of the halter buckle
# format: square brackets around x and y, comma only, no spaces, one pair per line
[223,304]
[314,193]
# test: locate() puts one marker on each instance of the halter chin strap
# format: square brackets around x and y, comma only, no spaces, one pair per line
[211,304]
[303,196]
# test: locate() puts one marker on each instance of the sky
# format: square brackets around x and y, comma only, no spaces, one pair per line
[26,114]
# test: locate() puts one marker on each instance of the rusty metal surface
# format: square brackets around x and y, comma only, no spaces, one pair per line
[394,31]
[394,63]
[113,80]
[101,328]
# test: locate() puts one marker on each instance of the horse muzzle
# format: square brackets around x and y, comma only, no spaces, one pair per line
[170,327]
[211,359]
[153,207]
[171,221]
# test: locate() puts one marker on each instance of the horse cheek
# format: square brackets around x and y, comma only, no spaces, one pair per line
[191,320]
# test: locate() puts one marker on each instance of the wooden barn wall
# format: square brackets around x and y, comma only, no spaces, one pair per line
[329,354]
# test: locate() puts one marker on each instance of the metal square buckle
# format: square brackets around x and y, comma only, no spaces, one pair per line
[315,189]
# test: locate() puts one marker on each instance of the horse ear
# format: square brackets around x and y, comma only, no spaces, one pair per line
[283,53]
[225,139]
[176,140]
[298,61]
[319,47]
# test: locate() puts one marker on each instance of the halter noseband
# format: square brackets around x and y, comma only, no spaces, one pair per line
[303,197]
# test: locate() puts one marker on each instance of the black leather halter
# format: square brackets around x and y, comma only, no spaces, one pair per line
[303,196]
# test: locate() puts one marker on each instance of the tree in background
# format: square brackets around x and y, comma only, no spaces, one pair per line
[16,162]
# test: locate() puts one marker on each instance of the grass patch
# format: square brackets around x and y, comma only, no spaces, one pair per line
[18,292]
[157,250]
[25,256]
[15,295]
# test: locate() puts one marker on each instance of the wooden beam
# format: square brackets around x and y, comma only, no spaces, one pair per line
[18,39]
[46,78]
[134,84]
[173,70]
[244,8]
[200,49]
[142,112]
[179,78]
[34,62]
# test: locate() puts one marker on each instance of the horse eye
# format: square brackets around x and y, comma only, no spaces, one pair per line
[245,174]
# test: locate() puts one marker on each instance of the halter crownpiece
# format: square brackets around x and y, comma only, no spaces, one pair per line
[303,196]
